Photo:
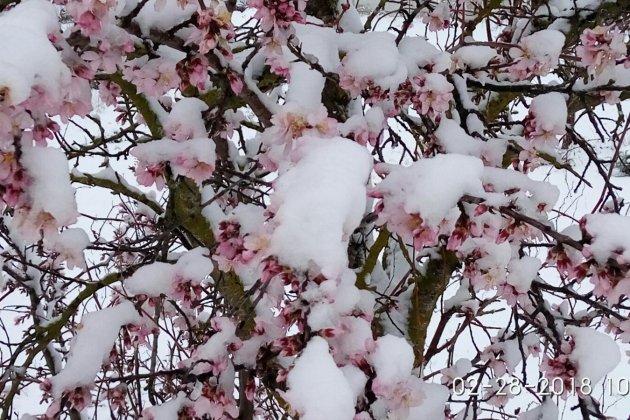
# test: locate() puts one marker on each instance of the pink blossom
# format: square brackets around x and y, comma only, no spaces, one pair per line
[351,83]
[193,168]
[109,92]
[233,249]
[236,84]
[545,121]
[278,13]
[438,18]
[89,23]
[77,99]
[44,132]
[562,367]
[186,291]
[106,58]
[400,396]
[149,174]
[411,227]
[536,54]
[288,125]
[138,333]
[279,65]
[601,47]
[193,72]
[434,94]
[213,29]
[320,124]
[154,78]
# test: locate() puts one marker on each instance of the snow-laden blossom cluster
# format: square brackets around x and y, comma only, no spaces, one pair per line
[536,54]
[601,47]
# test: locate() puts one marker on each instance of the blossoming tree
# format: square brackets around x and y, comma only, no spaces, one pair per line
[314,210]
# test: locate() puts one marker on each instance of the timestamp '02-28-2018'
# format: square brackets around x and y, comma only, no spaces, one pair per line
[557,386]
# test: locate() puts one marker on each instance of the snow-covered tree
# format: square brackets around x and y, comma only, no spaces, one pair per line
[314,209]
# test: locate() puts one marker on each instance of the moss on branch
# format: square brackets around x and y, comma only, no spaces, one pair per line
[428,287]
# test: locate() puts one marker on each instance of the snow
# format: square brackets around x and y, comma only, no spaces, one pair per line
[452,137]
[415,187]
[350,20]
[569,8]
[92,345]
[151,280]
[50,189]
[461,295]
[610,236]
[165,17]
[317,388]
[393,66]
[618,75]
[433,404]
[194,158]
[375,118]
[417,52]
[550,110]
[523,272]
[186,115]
[545,411]
[392,359]
[321,43]
[474,56]
[460,368]
[329,300]
[158,278]
[388,71]
[70,245]
[546,44]
[595,354]
[27,58]
[305,87]
[530,192]
[251,217]
[356,379]
[318,203]
[166,411]
[215,350]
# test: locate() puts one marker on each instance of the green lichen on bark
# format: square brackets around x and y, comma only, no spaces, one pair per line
[184,212]
[428,287]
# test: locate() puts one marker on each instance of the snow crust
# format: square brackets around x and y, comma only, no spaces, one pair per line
[70,244]
[452,137]
[158,278]
[610,236]
[545,411]
[317,388]
[163,14]
[91,346]
[28,58]
[318,203]
[392,359]
[595,353]
[416,190]
[50,190]
[474,56]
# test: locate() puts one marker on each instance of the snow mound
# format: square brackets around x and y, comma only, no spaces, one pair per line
[318,389]
[318,203]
